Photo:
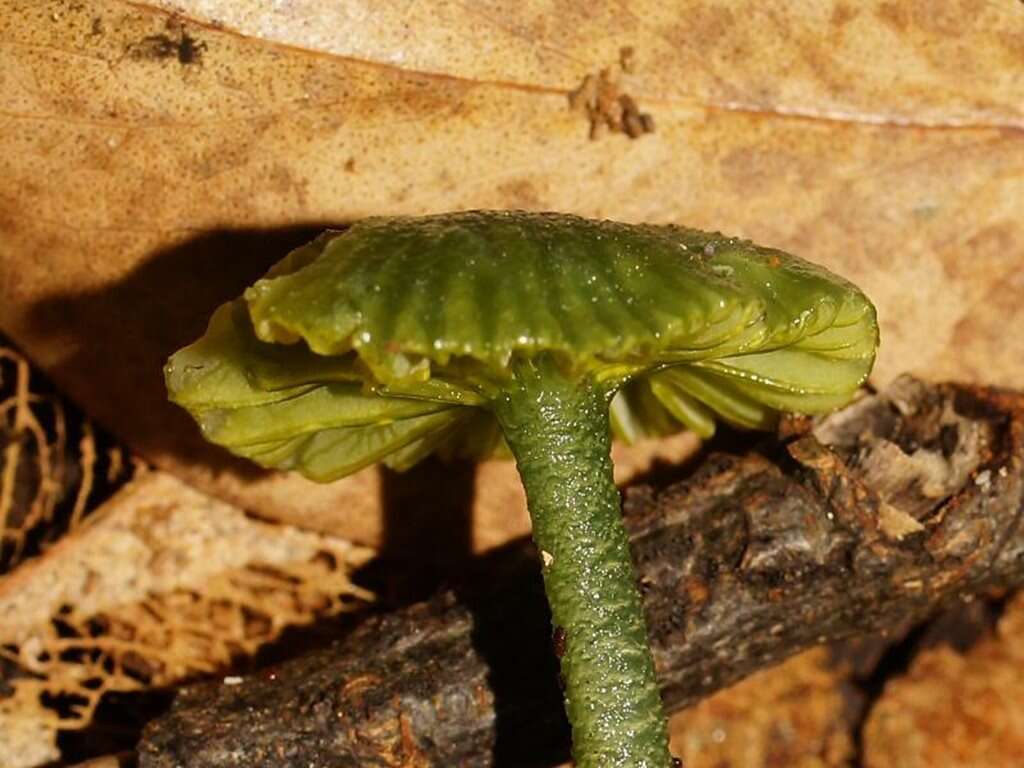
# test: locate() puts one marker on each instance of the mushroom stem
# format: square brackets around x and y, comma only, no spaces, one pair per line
[557,427]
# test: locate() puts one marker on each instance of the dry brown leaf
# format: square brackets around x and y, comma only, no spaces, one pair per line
[54,466]
[154,536]
[796,714]
[152,165]
[816,60]
[162,584]
[28,738]
[954,710]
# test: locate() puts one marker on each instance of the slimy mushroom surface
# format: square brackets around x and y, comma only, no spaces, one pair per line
[370,344]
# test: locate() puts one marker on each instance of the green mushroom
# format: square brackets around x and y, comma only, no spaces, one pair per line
[541,335]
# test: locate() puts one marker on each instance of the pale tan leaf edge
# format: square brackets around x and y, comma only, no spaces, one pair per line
[300,28]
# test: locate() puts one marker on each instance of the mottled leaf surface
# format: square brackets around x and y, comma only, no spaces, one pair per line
[154,165]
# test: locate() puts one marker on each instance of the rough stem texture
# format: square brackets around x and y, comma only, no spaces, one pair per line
[747,559]
[558,431]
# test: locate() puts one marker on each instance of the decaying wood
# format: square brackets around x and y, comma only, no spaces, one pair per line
[917,502]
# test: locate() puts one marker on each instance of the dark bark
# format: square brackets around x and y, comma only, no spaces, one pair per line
[752,558]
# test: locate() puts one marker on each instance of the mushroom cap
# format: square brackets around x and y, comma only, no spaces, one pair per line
[367,344]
